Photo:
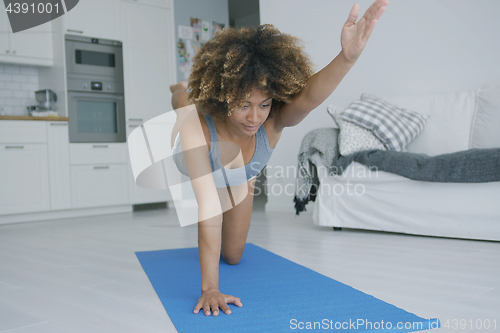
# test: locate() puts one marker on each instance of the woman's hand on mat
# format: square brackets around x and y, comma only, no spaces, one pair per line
[355,34]
[213,299]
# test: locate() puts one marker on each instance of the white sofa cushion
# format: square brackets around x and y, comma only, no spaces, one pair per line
[449,126]
[486,124]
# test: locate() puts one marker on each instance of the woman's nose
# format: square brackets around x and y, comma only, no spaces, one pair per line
[253,115]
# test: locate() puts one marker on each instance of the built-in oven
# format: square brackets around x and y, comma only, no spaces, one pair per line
[96,108]
[96,117]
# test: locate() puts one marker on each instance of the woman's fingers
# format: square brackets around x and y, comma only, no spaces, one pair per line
[376,15]
[234,300]
[215,308]
[225,308]
[206,308]
[211,305]
[371,24]
[373,12]
[198,306]
[353,15]
[368,30]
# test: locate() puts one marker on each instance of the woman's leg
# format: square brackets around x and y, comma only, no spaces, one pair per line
[235,225]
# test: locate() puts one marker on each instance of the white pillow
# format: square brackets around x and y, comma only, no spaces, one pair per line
[486,124]
[394,126]
[353,138]
[448,128]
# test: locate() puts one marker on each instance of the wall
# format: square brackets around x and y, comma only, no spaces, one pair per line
[17,89]
[210,10]
[417,47]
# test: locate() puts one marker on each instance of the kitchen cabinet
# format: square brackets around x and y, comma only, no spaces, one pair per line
[149,69]
[99,174]
[149,59]
[24,176]
[4,34]
[139,195]
[89,153]
[58,156]
[94,18]
[148,88]
[99,185]
[14,131]
[31,47]
[42,172]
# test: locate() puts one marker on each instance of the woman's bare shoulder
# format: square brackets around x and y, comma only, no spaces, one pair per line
[192,122]
[204,126]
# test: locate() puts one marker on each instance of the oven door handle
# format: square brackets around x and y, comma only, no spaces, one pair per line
[115,97]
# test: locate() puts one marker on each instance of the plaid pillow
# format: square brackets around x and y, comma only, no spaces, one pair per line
[353,138]
[394,126]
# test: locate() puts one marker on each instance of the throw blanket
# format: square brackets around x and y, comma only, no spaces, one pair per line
[468,166]
[324,142]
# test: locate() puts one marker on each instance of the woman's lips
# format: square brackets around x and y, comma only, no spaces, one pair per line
[251,128]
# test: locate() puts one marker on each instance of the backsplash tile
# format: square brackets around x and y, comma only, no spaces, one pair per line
[17,88]
[12,69]
[19,78]
[11,86]
[20,94]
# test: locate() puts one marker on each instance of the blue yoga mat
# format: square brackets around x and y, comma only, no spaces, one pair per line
[278,295]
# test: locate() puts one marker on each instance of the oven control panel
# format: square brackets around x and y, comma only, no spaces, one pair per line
[89,85]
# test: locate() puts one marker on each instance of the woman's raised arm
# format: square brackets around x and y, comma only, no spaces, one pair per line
[319,86]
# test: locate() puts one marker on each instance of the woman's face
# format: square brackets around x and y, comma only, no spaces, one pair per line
[252,113]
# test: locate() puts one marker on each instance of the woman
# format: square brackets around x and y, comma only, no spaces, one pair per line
[247,86]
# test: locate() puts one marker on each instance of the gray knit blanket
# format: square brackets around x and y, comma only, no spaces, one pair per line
[324,142]
[467,166]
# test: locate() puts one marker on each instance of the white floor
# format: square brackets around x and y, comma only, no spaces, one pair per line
[81,275]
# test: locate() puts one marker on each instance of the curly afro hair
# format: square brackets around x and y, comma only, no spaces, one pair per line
[235,62]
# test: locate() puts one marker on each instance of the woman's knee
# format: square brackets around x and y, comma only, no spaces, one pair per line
[232,258]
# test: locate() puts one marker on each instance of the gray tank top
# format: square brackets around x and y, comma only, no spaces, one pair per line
[224,177]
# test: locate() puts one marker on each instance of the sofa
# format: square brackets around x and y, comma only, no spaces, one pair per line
[361,198]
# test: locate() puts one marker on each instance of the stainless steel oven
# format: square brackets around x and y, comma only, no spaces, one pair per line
[96,117]
[96,108]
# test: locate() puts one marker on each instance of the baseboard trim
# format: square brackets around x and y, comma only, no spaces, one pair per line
[62,214]
[282,208]
[150,206]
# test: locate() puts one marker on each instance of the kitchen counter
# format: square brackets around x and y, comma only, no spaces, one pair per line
[51,118]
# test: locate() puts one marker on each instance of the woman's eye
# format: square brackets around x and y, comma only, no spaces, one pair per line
[265,106]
